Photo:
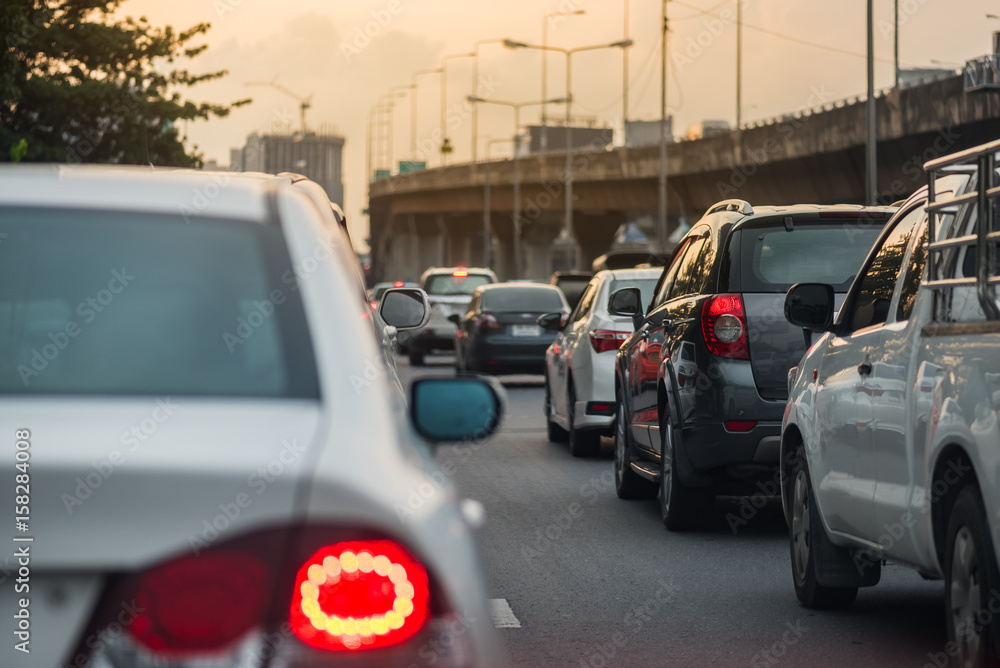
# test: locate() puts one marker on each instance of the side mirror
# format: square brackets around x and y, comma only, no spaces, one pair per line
[455,319]
[627,302]
[405,308]
[456,409]
[552,322]
[810,306]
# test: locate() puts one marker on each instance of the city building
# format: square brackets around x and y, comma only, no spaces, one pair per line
[316,156]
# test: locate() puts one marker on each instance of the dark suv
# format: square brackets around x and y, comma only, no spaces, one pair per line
[701,384]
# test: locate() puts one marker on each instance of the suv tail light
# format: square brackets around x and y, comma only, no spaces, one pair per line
[724,326]
[362,594]
[487,321]
[603,340]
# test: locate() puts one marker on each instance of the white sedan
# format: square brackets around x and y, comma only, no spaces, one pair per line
[202,446]
[579,365]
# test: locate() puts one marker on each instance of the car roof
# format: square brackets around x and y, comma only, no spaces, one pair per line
[137,188]
[738,219]
[631,274]
[520,286]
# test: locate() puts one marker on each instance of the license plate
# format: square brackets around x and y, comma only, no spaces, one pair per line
[525,330]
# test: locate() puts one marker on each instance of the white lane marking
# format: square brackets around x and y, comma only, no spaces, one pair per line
[503,616]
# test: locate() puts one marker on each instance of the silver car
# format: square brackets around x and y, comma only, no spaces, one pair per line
[889,441]
[205,460]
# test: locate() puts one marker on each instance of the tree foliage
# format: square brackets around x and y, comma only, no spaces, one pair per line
[81,85]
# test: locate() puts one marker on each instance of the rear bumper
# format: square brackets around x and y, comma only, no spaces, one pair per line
[506,354]
[591,415]
[710,446]
[431,339]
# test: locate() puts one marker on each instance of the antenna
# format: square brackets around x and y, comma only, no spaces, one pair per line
[304,102]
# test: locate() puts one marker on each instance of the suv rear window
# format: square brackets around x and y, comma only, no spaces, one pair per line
[534,300]
[445,285]
[124,303]
[772,259]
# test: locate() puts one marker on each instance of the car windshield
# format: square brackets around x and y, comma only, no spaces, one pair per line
[445,285]
[528,300]
[645,285]
[773,259]
[101,302]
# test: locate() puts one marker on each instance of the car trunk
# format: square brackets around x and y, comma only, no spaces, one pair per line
[777,252]
[121,483]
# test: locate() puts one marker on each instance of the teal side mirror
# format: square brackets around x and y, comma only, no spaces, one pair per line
[456,409]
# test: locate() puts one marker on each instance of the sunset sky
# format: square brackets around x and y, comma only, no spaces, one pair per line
[313,48]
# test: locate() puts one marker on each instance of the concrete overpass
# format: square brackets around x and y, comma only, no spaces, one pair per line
[435,217]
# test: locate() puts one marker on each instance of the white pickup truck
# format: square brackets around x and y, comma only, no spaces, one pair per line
[890,446]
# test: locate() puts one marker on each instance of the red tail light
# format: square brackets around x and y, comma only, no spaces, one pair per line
[461,273]
[398,284]
[740,425]
[200,603]
[724,326]
[361,594]
[487,321]
[603,340]
[374,305]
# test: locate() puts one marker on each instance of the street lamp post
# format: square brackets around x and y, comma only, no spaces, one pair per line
[623,44]
[487,236]
[394,92]
[475,90]
[516,216]
[444,102]
[661,222]
[413,110]
[544,139]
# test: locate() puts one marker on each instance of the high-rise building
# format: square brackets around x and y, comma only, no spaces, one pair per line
[318,157]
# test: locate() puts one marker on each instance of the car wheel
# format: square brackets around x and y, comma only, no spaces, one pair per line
[628,483]
[970,572]
[803,537]
[416,359]
[682,507]
[556,433]
[586,443]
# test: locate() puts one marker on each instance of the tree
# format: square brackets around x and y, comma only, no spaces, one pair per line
[82,86]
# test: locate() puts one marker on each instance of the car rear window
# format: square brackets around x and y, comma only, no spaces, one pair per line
[645,285]
[445,285]
[772,258]
[573,288]
[121,303]
[533,300]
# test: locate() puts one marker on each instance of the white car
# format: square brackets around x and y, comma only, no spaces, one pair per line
[205,462]
[450,290]
[579,365]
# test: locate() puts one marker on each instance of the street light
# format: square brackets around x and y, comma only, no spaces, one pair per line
[622,44]
[475,90]
[486,200]
[516,216]
[444,103]
[545,68]
[395,92]
[413,110]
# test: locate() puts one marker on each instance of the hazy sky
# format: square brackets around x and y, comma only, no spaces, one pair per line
[320,48]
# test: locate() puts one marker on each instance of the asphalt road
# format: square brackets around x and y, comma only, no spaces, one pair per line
[597,581]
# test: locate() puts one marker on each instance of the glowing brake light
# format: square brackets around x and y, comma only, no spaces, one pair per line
[398,284]
[603,340]
[374,305]
[724,327]
[460,273]
[359,595]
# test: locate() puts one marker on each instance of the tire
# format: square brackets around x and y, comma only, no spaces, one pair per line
[970,572]
[581,443]
[806,529]
[628,483]
[416,359]
[555,433]
[682,508]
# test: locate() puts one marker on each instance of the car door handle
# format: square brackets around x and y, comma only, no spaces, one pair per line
[865,368]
